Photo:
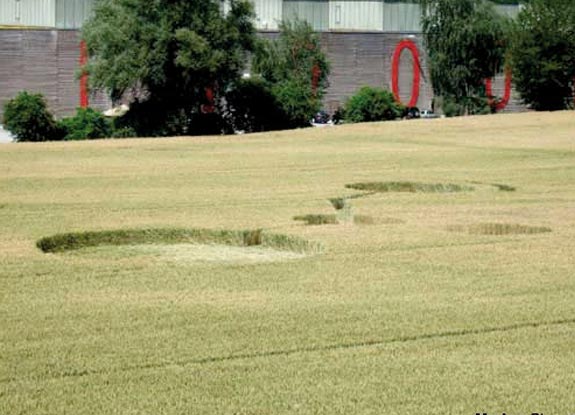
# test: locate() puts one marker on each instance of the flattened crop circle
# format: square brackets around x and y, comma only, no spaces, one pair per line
[190,244]
[499,229]
[409,187]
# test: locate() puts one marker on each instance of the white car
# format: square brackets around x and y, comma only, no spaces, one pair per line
[5,136]
[428,114]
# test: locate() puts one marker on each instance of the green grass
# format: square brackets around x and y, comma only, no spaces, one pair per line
[403,316]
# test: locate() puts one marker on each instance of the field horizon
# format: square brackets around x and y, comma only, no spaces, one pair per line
[402,267]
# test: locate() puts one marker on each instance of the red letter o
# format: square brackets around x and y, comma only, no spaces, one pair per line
[406,44]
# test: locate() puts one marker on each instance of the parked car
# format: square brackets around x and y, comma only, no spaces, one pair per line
[321,119]
[428,114]
[412,113]
[5,136]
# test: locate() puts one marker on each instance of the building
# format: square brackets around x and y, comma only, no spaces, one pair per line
[368,42]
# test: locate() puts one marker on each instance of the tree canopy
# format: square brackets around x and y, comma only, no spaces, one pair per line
[167,54]
[543,53]
[296,69]
[465,43]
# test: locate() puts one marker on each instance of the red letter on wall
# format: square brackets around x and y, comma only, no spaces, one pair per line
[506,94]
[406,44]
[210,107]
[84,78]
[315,75]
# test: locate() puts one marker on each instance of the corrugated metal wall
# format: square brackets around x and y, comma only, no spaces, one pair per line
[27,13]
[323,15]
[64,14]
[356,15]
[401,17]
[316,13]
[38,13]
[71,14]
[8,12]
[269,14]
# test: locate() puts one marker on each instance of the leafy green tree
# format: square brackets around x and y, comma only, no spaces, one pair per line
[465,41]
[543,53]
[296,70]
[167,53]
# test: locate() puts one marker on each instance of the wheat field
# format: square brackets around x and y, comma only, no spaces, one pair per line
[443,281]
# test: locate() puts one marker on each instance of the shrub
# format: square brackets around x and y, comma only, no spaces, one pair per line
[28,119]
[252,107]
[338,116]
[452,109]
[464,106]
[144,120]
[297,103]
[211,123]
[258,105]
[372,104]
[87,124]
[122,131]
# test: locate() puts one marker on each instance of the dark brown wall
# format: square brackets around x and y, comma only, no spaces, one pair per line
[44,61]
[360,59]
[28,61]
[47,61]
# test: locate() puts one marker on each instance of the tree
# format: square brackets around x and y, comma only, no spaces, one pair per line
[465,41]
[171,55]
[296,69]
[543,53]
